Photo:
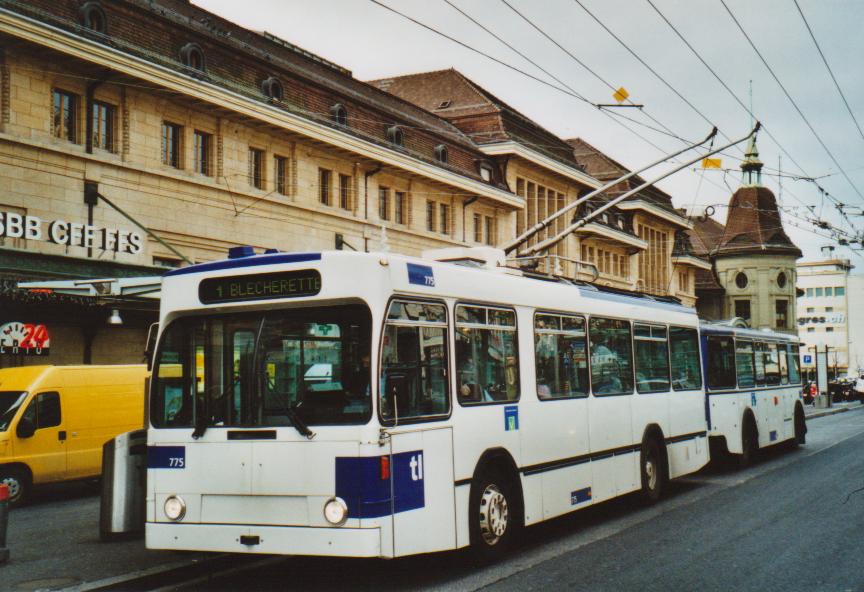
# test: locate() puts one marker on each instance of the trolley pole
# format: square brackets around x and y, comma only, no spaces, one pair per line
[4,522]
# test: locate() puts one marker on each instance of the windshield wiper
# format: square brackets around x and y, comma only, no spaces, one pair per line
[299,424]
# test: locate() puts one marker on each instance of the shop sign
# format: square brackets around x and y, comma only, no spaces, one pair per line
[24,339]
[833,318]
[71,234]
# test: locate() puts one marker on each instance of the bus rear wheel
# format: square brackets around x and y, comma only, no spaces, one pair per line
[494,516]
[749,442]
[653,470]
[800,427]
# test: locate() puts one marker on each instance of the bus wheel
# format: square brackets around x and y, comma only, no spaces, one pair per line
[494,516]
[800,426]
[18,483]
[749,442]
[653,470]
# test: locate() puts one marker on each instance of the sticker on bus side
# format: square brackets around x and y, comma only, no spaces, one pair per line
[366,486]
[166,457]
[511,418]
[753,399]
[580,496]
[421,275]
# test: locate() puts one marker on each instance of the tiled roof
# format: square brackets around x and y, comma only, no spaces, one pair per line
[477,112]
[754,225]
[705,235]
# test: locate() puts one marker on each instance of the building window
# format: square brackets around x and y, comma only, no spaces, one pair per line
[818,292]
[781,310]
[829,329]
[339,114]
[781,280]
[741,280]
[430,216]
[811,329]
[168,262]
[202,146]
[324,186]
[93,17]
[811,309]
[839,291]
[272,89]
[478,228]
[280,174]
[490,230]
[486,172]
[742,310]
[384,203]
[171,134]
[399,204]
[444,218]
[683,281]
[256,168]
[829,292]
[345,192]
[65,119]
[396,136]
[192,56]
[103,116]
[441,154]
[809,292]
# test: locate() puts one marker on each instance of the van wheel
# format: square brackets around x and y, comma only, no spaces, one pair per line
[749,442]
[800,427]
[653,470]
[18,483]
[494,517]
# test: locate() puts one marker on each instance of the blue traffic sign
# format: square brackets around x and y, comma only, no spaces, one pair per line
[808,359]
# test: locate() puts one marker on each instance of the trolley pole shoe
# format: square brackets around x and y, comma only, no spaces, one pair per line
[4,522]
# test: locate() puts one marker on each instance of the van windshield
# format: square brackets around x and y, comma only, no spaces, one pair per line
[280,368]
[10,401]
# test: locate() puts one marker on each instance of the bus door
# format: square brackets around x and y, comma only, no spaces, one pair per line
[423,500]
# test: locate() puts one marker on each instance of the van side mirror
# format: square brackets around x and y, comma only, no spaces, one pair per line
[150,348]
[25,428]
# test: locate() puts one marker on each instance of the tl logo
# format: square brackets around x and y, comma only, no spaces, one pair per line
[416,465]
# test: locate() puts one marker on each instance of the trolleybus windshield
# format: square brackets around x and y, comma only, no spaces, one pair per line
[262,369]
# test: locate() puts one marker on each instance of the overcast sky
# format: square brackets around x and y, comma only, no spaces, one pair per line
[374,43]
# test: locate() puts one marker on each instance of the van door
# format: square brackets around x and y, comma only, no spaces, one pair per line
[45,450]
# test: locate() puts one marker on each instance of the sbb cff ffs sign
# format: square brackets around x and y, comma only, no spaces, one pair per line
[265,286]
[72,234]
[26,339]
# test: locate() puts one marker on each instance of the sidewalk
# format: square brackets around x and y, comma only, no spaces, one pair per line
[811,412]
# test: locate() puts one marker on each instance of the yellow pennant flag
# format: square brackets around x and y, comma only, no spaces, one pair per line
[620,95]
[712,163]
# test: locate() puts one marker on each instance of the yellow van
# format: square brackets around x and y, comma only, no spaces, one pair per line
[55,419]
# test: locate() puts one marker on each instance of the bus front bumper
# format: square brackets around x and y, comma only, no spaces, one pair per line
[276,540]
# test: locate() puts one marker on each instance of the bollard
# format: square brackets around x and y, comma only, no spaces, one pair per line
[4,522]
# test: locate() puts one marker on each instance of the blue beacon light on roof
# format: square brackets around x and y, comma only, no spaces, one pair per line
[240,252]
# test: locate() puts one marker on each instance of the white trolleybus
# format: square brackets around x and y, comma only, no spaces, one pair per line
[753,389]
[376,405]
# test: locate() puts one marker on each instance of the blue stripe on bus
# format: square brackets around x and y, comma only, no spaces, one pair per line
[367,495]
[266,259]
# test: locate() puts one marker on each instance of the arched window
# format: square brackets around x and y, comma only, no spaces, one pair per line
[396,136]
[441,153]
[781,280]
[192,56]
[339,114]
[272,89]
[93,17]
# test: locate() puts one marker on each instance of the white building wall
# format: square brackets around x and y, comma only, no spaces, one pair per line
[823,314]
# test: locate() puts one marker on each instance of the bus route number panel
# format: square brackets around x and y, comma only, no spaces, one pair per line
[265,286]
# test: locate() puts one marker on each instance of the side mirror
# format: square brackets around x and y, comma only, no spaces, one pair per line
[25,428]
[150,348]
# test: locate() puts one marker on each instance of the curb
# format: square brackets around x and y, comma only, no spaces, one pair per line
[832,411]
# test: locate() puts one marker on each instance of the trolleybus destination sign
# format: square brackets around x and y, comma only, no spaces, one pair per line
[265,286]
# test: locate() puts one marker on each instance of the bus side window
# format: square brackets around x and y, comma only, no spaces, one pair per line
[721,363]
[759,357]
[794,365]
[560,356]
[611,356]
[414,361]
[744,364]
[684,352]
[772,365]
[651,353]
[487,367]
[784,363]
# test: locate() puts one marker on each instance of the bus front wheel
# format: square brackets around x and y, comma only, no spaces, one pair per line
[494,513]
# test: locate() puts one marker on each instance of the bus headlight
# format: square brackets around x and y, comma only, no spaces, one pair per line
[335,511]
[175,508]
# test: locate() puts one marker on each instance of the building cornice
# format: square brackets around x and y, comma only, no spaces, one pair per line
[654,210]
[615,235]
[64,42]
[691,261]
[532,156]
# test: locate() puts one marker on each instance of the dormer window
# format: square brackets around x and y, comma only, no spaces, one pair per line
[193,57]
[396,136]
[93,17]
[339,114]
[485,171]
[441,154]
[444,104]
[272,89]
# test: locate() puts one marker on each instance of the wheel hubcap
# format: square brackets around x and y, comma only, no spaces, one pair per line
[14,487]
[651,474]
[494,514]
